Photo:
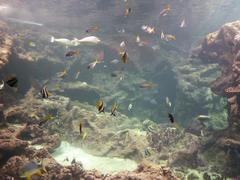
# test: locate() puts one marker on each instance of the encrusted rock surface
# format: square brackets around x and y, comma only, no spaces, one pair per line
[223,47]
[6,43]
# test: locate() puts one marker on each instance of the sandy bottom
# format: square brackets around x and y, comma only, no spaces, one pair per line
[103,164]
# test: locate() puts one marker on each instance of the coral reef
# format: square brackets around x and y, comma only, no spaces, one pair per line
[6,43]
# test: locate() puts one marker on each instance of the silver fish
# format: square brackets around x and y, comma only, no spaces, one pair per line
[23,21]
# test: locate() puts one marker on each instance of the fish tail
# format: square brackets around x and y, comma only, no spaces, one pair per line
[52,39]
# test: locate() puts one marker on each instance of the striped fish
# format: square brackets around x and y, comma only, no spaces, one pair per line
[44,92]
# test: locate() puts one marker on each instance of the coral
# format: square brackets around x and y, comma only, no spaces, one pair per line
[6,43]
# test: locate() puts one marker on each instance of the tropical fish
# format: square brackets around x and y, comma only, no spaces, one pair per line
[50,117]
[183,24]
[127,11]
[44,92]
[77,75]
[168,37]
[34,116]
[92,65]
[147,85]
[83,134]
[140,42]
[203,118]
[89,40]
[130,107]
[114,109]
[98,60]
[21,21]
[171,118]
[122,44]
[114,74]
[93,29]
[32,44]
[63,74]
[73,53]
[63,41]
[100,106]
[114,61]
[31,169]
[2,85]
[80,128]
[166,10]
[148,29]
[124,57]
[147,152]
[168,102]
[12,81]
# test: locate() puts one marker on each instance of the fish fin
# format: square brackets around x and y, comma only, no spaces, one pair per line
[52,39]
[50,93]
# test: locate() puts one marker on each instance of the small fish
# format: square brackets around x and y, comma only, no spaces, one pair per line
[114,74]
[123,44]
[168,37]
[148,29]
[168,102]
[49,117]
[32,44]
[166,10]
[93,29]
[138,39]
[73,161]
[92,65]
[100,106]
[31,169]
[124,57]
[147,152]
[171,118]
[2,85]
[147,85]
[127,11]
[12,81]
[130,107]
[80,128]
[114,109]
[63,41]
[90,40]
[34,115]
[73,53]
[63,74]
[121,30]
[44,92]
[183,24]
[77,75]
[114,61]
[203,118]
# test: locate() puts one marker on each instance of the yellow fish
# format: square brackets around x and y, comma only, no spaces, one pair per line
[49,117]
[114,109]
[31,169]
[100,106]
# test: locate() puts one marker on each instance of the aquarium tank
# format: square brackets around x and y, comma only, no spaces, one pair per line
[120,89]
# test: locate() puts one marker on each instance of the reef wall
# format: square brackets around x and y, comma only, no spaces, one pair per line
[223,47]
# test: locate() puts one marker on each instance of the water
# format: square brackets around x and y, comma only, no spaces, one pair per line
[159,78]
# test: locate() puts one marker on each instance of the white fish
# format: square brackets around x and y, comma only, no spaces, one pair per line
[183,24]
[148,29]
[92,65]
[62,41]
[90,40]
[77,75]
[168,102]
[138,39]
[24,21]
[130,107]
[2,85]
[114,61]
[123,44]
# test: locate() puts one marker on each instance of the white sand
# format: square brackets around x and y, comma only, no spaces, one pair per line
[103,164]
